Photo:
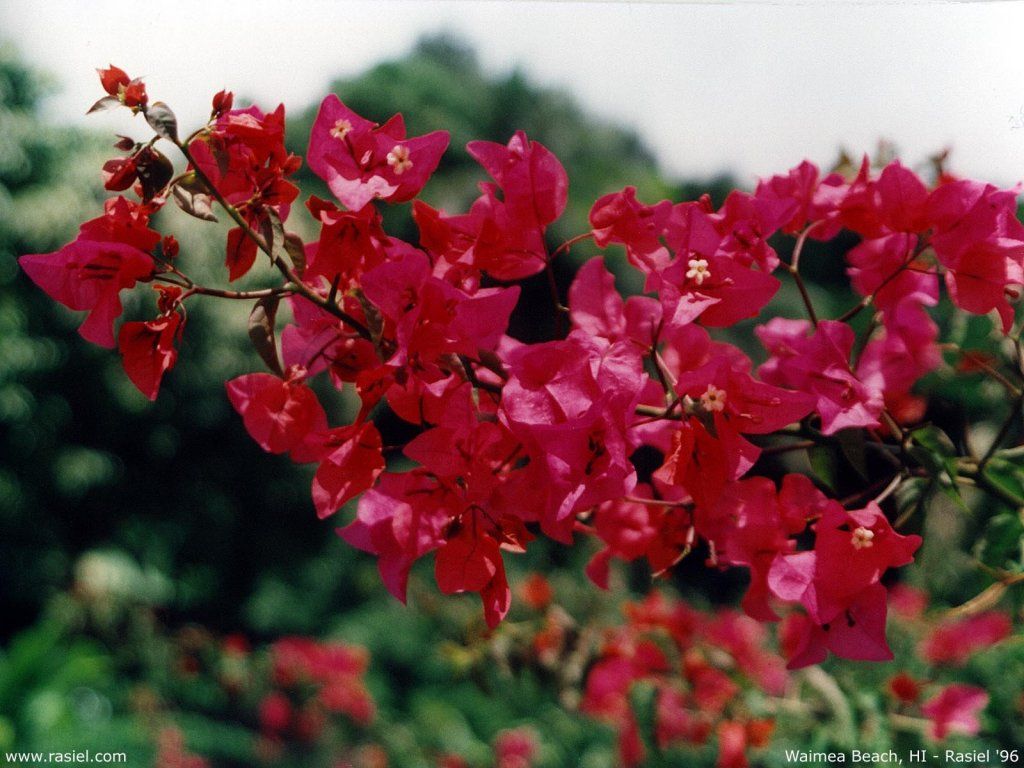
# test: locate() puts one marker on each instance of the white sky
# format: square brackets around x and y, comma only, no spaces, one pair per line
[748,87]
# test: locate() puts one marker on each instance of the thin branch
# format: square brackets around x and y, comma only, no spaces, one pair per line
[1004,430]
[864,302]
[982,480]
[794,269]
[242,295]
[655,502]
[889,489]
[287,271]
[571,242]
[799,247]
[995,374]
[804,295]
[472,378]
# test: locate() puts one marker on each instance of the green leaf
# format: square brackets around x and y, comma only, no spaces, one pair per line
[643,700]
[1000,543]
[851,443]
[1006,470]
[911,495]
[934,451]
[825,465]
[935,441]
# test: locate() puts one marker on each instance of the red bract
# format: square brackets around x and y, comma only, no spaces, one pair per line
[361,161]
[503,236]
[710,266]
[350,462]
[400,520]
[954,642]
[350,243]
[570,403]
[904,688]
[113,79]
[727,402]
[838,584]
[147,350]
[814,198]
[318,341]
[819,364]
[621,218]
[428,318]
[171,751]
[894,202]
[955,710]
[732,745]
[222,102]
[408,515]
[243,154]
[275,713]
[745,223]
[536,592]
[751,524]
[119,173]
[534,189]
[898,356]
[859,633]
[244,157]
[110,254]
[469,560]
[279,414]
[131,93]
[515,748]
[886,269]
[632,529]
[978,238]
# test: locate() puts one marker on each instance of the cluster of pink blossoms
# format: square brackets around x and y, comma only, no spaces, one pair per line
[334,671]
[517,440]
[716,656]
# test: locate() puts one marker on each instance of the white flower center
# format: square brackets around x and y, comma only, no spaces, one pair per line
[698,271]
[398,159]
[862,538]
[341,129]
[713,399]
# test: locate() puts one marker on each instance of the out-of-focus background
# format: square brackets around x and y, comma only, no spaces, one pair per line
[149,553]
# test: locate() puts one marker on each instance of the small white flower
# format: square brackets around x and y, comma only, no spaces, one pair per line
[698,271]
[713,399]
[862,538]
[398,159]
[341,129]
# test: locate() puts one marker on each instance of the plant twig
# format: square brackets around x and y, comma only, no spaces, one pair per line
[299,286]
[866,301]
[1004,430]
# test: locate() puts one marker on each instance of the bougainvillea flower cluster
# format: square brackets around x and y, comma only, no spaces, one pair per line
[514,440]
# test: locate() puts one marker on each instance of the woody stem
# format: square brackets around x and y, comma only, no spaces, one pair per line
[295,282]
